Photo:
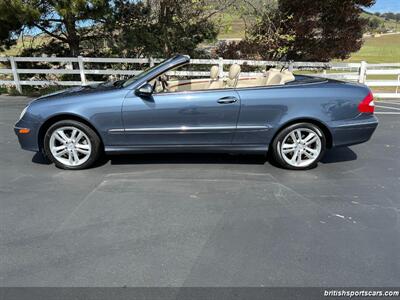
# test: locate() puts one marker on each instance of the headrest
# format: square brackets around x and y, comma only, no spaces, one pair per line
[234,71]
[286,72]
[270,72]
[274,70]
[214,72]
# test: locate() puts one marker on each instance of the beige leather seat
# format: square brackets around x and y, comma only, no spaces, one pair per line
[263,80]
[287,76]
[214,72]
[276,79]
[214,83]
[233,76]
[274,70]
[269,75]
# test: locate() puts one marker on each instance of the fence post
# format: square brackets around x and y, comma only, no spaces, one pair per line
[221,67]
[15,74]
[81,70]
[362,72]
[290,67]
[151,62]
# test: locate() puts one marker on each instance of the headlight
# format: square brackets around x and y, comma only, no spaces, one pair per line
[23,112]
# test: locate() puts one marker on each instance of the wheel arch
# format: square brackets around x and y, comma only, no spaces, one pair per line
[325,129]
[60,117]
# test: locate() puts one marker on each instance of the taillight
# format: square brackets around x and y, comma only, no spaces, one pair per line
[367,105]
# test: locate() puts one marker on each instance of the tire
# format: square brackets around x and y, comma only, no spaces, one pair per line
[72,145]
[309,149]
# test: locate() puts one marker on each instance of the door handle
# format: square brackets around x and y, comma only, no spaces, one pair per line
[227,100]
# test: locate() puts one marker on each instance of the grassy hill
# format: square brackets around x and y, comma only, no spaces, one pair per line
[379,49]
[233,26]
[387,24]
[27,41]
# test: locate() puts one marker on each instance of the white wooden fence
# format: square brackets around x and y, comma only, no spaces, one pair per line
[343,71]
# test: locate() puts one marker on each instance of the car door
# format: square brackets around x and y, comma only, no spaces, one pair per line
[263,109]
[181,118]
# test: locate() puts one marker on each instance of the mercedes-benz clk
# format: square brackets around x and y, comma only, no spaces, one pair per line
[294,118]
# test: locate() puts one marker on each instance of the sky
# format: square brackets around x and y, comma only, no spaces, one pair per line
[386,6]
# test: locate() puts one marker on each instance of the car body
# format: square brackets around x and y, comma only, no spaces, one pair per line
[127,118]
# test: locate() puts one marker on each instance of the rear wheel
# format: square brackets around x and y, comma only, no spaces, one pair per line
[72,145]
[299,146]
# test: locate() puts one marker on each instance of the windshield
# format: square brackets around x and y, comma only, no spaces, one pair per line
[145,72]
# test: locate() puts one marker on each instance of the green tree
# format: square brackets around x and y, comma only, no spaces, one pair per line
[160,28]
[310,30]
[389,16]
[69,22]
[374,24]
[13,16]
[267,36]
[325,29]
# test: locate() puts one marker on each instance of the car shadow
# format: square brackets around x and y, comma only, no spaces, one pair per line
[336,155]
[187,158]
[40,158]
[340,154]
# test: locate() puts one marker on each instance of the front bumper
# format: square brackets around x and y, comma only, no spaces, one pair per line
[354,132]
[28,141]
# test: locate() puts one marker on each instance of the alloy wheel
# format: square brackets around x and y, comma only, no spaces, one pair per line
[70,146]
[301,147]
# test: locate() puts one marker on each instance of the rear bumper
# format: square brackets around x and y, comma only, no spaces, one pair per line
[354,132]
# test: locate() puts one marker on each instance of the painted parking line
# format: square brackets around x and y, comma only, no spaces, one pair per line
[386,113]
[391,107]
[389,102]
[396,105]
[387,107]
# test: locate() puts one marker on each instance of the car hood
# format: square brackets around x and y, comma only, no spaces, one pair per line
[78,91]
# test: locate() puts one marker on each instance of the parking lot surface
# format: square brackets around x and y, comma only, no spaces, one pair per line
[202,219]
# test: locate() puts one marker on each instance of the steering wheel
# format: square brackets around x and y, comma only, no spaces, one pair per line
[164,82]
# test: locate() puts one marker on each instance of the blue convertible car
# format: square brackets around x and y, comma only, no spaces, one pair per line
[294,118]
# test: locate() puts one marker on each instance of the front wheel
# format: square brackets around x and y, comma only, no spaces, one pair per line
[72,145]
[299,146]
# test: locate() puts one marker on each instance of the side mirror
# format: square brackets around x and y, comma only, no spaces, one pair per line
[145,90]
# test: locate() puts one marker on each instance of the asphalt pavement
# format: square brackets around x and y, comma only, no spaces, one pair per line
[202,219]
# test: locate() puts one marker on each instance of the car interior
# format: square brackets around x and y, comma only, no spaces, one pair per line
[232,80]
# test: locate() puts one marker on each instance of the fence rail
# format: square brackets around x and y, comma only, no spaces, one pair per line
[358,72]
